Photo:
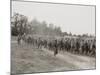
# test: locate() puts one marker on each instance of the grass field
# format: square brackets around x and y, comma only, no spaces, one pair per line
[27,59]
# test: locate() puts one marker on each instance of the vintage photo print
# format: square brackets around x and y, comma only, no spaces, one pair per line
[52,37]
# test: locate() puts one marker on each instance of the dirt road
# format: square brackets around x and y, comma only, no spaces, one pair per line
[27,59]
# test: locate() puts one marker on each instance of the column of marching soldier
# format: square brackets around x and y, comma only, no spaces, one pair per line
[73,45]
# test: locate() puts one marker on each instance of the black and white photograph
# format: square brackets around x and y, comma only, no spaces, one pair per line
[52,37]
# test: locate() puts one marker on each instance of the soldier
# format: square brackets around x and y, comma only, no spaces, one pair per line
[66,45]
[93,48]
[72,45]
[39,43]
[45,43]
[61,44]
[77,46]
[19,39]
[35,43]
[55,48]
[29,40]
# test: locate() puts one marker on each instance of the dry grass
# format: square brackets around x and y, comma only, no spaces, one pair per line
[27,59]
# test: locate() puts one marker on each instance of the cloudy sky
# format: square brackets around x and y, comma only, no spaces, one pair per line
[71,18]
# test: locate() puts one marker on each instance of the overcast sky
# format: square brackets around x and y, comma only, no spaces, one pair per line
[71,18]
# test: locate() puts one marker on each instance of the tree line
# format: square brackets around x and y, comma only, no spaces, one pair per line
[21,25]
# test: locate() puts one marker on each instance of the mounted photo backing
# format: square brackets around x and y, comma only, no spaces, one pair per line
[52,37]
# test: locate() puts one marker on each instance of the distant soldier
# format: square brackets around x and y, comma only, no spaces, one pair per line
[66,45]
[49,45]
[85,48]
[19,39]
[35,43]
[29,39]
[61,44]
[93,48]
[55,48]
[39,42]
[45,43]
[72,45]
[24,37]
[77,46]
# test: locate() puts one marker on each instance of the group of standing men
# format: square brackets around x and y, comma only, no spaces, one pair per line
[73,45]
